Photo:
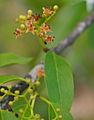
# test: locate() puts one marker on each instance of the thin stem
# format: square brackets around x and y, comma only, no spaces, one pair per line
[37,32]
[33,103]
[50,104]
[72,37]
[50,17]
[45,49]
[24,112]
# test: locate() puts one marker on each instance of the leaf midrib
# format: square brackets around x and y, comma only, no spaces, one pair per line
[57,77]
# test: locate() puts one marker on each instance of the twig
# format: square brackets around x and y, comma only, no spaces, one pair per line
[81,27]
[68,41]
[21,86]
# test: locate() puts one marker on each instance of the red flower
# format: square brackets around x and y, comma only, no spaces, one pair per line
[47,11]
[30,27]
[18,32]
[36,17]
[45,28]
[48,38]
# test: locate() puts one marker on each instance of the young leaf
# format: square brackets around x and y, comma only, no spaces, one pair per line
[5,115]
[9,78]
[12,59]
[59,81]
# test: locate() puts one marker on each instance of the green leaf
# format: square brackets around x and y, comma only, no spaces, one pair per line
[12,59]
[20,104]
[9,78]
[59,81]
[67,116]
[5,115]
[51,113]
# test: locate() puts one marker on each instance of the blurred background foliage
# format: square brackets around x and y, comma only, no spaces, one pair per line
[80,55]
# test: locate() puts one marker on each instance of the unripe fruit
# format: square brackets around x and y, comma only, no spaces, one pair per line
[30,90]
[60,116]
[37,83]
[55,7]
[16,98]
[21,110]
[2,90]
[29,12]
[37,116]
[22,26]
[22,17]
[17,92]
[6,91]
[11,103]
[58,109]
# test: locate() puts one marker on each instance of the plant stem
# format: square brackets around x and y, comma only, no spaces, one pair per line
[50,104]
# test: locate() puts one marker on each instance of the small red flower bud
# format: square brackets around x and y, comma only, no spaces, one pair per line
[49,38]
[45,28]
[47,11]
[30,27]
[18,32]
[36,17]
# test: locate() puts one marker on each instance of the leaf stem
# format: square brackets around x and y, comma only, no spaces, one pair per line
[50,104]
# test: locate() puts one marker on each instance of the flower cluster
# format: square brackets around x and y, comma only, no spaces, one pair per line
[11,96]
[36,24]
[44,30]
[5,91]
[47,11]
[27,23]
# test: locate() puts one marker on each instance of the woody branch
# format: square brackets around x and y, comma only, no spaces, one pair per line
[81,27]
[68,41]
